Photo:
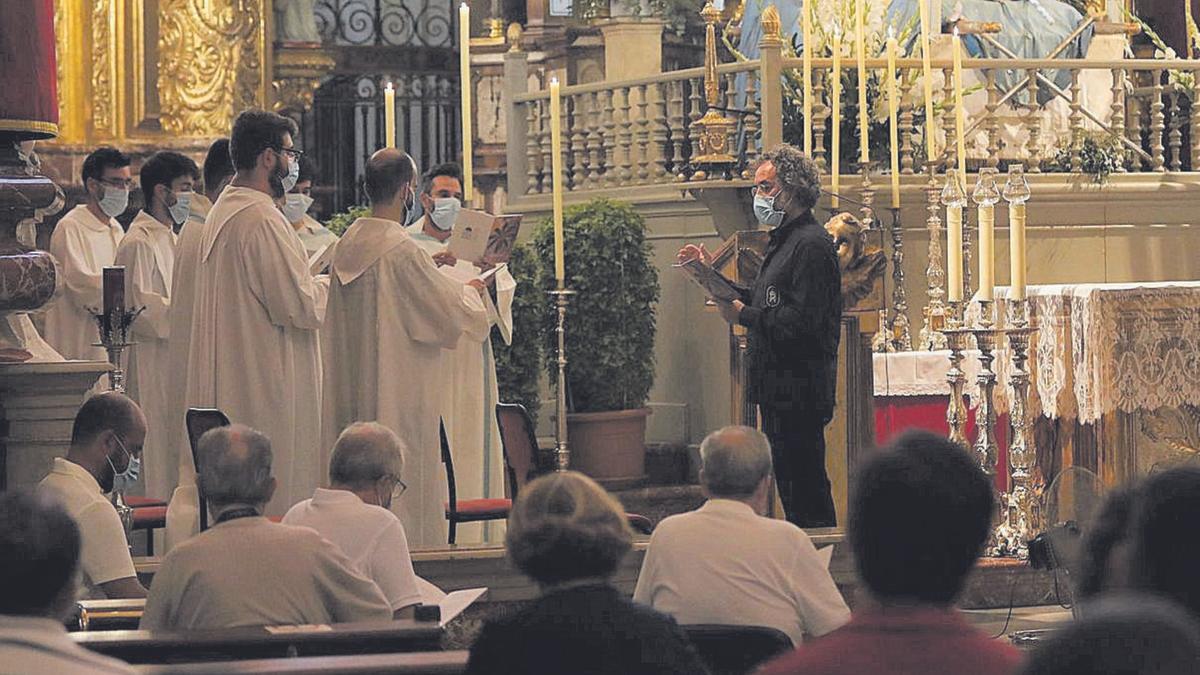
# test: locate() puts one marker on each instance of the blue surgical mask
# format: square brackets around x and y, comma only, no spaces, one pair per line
[181,208]
[114,202]
[445,212]
[765,211]
[296,205]
[123,480]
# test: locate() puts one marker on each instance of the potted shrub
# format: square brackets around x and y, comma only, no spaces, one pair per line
[610,336]
[518,364]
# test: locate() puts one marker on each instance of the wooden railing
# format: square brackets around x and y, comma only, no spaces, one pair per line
[643,131]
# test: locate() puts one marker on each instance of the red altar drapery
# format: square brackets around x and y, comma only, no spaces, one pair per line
[28,79]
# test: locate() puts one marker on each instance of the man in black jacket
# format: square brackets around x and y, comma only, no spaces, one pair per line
[793,314]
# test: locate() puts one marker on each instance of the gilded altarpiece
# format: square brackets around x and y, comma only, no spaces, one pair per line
[160,70]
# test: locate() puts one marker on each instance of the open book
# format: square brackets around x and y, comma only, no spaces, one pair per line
[484,238]
[716,286]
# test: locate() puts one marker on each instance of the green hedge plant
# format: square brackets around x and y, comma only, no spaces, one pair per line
[611,319]
[518,364]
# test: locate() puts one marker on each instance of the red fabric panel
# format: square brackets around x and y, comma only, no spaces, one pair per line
[895,414]
[28,80]
[483,507]
[150,517]
[138,502]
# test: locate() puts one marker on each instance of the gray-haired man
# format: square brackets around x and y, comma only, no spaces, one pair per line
[246,570]
[724,563]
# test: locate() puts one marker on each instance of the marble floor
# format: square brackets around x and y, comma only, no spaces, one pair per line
[992,621]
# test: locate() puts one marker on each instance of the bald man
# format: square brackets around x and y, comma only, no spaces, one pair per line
[391,317]
[106,448]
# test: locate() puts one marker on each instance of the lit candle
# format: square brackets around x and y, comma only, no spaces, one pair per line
[836,103]
[806,22]
[389,115]
[954,253]
[960,120]
[464,62]
[113,288]
[864,118]
[987,241]
[893,109]
[927,74]
[556,169]
[1016,249]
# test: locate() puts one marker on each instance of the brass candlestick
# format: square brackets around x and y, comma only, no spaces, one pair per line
[882,340]
[957,339]
[1020,523]
[931,337]
[985,416]
[562,452]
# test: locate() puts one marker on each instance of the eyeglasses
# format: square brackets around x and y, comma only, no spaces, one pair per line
[291,151]
[765,189]
[398,488]
[118,183]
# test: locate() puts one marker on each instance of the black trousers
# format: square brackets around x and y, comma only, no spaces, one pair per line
[798,451]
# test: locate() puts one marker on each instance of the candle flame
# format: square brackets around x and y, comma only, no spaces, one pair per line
[553,80]
[956,30]
[388,87]
[464,5]
[891,33]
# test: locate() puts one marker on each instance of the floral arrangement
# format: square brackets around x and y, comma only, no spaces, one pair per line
[340,222]
[1100,154]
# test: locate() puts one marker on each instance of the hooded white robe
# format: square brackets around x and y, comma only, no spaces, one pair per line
[83,246]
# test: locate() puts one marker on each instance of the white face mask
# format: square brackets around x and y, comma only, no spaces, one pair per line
[114,201]
[296,206]
[445,212]
[181,208]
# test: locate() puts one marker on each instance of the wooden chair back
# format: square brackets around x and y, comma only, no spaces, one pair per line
[200,420]
[519,438]
[412,663]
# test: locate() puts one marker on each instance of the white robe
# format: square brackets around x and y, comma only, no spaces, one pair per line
[83,246]
[148,254]
[469,408]
[391,316]
[253,348]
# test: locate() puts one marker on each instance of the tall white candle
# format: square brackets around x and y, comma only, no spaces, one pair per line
[960,118]
[954,253]
[893,110]
[806,30]
[864,116]
[556,176]
[836,102]
[927,75]
[389,115]
[464,62]
[987,242]
[1016,249]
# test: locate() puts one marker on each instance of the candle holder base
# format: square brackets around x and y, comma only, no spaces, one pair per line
[115,327]
[562,451]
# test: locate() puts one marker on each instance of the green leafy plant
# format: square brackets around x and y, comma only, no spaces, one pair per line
[611,320]
[340,222]
[1099,153]
[518,364]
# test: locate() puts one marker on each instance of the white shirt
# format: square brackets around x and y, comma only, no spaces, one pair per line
[252,572]
[724,564]
[30,644]
[104,555]
[83,246]
[371,536]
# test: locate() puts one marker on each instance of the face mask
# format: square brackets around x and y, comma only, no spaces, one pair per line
[181,208]
[765,211]
[114,201]
[123,480]
[296,206]
[293,173]
[445,212]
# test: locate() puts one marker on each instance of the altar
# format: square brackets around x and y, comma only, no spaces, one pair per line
[1115,379]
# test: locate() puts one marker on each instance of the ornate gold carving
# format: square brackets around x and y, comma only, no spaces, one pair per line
[298,73]
[771,24]
[1177,428]
[211,60]
[713,127]
[102,54]
[514,33]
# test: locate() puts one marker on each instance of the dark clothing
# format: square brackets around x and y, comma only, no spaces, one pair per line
[793,315]
[798,452]
[589,630]
[910,641]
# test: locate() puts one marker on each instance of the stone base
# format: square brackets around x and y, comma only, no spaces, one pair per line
[39,402]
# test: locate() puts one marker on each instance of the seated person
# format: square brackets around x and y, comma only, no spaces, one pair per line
[1163,560]
[569,535]
[1104,564]
[724,563]
[106,450]
[296,204]
[246,570]
[39,553]
[364,478]
[1121,635]
[919,516]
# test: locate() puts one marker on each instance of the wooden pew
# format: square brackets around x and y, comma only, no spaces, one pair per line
[418,663]
[257,642]
[107,614]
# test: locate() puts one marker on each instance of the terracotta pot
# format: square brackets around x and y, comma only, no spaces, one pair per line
[609,446]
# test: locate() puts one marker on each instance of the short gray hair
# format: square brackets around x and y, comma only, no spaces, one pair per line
[364,453]
[734,460]
[797,173]
[235,465]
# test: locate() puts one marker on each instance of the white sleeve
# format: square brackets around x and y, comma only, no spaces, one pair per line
[137,255]
[822,608]
[643,593]
[105,553]
[390,566]
[81,283]
[279,277]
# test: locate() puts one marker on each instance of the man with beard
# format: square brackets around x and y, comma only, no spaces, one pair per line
[106,451]
[256,309]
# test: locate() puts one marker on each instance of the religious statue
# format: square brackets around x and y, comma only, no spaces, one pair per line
[295,21]
[862,266]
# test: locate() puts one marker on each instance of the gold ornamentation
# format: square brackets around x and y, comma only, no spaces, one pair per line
[298,73]
[1177,428]
[102,50]
[211,63]
[771,25]
[714,128]
[514,34]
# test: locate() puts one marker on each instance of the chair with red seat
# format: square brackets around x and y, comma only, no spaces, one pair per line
[471,510]
[149,514]
[200,420]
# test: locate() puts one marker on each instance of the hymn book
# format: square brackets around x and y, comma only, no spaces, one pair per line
[716,286]
[481,237]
